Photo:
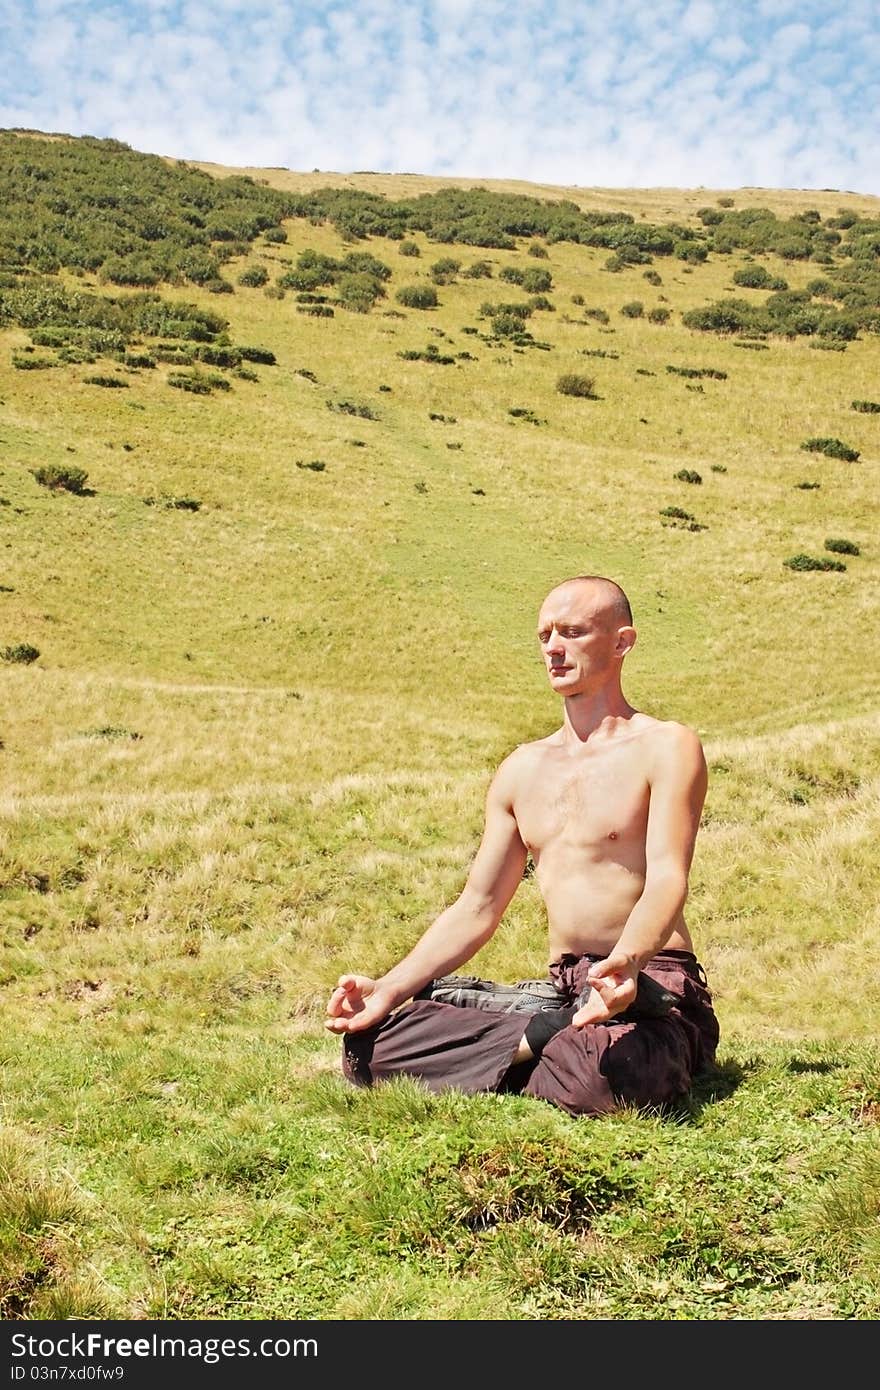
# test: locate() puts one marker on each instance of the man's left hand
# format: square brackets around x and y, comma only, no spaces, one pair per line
[614,988]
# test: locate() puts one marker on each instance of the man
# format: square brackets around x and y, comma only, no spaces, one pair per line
[608,807]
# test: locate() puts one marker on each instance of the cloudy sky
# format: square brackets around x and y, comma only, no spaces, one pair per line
[617,93]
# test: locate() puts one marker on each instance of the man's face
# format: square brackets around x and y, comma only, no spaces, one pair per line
[578,637]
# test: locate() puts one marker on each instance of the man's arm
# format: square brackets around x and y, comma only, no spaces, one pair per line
[678,781]
[460,930]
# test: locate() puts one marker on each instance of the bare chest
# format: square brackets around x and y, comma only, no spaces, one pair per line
[597,803]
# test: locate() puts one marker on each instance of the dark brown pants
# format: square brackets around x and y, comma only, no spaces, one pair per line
[586,1071]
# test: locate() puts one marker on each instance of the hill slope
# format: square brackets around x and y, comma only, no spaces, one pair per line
[274,541]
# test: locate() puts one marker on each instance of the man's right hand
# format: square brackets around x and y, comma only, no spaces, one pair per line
[356,1003]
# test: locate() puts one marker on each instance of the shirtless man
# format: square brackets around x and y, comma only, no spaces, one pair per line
[608,807]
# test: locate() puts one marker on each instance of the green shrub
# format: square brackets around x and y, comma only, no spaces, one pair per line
[687,475]
[633,310]
[171,353]
[138,359]
[179,504]
[22,653]
[109,381]
[417,296]
[218,356]
[431,354]
[478,270]
[254,277]
[444,271]
[358,291]
[811,562]
[257,354]
[833,448]
[757,277]
[573,384]
[659,315]
[842,547]
[198,383]
[691,252]
[678,513]
[698,372]
[577,299]
[29,362]
[276,236]
[808,487]
[867,407]
[364,412]
[538,251]
[409,248]
[511,274]
[508,324]
[536,281]
[652,277]
[316,311]
[59,477]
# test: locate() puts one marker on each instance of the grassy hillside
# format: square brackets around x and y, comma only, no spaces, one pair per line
[259,665]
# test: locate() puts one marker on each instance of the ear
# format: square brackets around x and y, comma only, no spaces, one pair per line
[626,640]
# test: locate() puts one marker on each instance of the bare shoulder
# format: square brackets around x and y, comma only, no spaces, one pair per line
[517,766]
[674,748]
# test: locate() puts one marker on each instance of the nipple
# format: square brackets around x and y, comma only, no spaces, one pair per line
[612,834]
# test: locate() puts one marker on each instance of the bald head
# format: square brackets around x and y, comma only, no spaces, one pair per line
[609,598]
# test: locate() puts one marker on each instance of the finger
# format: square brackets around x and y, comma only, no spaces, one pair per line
[336,1025]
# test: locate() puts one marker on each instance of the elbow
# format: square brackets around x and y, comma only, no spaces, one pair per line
[671,885]
[482,910]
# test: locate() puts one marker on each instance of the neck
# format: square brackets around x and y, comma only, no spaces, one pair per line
[586,714]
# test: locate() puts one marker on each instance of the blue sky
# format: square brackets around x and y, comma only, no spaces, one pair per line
[638,93]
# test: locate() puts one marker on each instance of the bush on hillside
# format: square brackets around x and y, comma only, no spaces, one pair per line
[867,407]
[444,271]
[417,296]
[257,354]
[811,562]
[22,653]
[536,281]
[832,448]
[254,277]
[634,309]
[358,291]
[842,547]
[198,383]
[659,315]
[687,475]
[409,248]
[538,251]
[757,277]
[478,270]
[574,384]
[60,477]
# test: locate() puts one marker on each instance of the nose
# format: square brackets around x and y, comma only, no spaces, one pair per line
[553,643]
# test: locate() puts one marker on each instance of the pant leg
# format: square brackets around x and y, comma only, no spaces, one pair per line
[603,1067]
[443,1045]
[644,1062]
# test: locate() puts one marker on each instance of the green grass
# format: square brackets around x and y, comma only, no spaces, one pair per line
[253,752]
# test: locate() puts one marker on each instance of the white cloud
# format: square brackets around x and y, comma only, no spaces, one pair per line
[681,93]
